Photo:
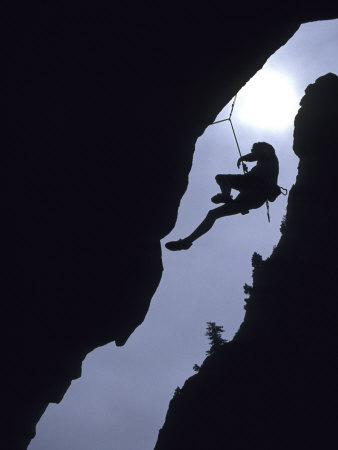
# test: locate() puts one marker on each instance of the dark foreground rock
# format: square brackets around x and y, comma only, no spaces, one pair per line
[274,385]
[105,107]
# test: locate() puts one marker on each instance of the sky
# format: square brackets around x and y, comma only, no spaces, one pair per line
[121,400]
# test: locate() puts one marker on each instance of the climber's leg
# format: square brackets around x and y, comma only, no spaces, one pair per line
[227,182]
[214,214]
[223,182]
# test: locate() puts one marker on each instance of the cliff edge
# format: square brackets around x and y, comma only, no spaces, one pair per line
[274,385]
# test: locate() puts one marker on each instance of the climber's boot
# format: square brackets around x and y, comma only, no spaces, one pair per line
[181,244]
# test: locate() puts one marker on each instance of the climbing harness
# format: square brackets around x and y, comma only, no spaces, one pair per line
[281,190]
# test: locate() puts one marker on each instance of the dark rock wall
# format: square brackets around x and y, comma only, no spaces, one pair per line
[105,107]
[274,385]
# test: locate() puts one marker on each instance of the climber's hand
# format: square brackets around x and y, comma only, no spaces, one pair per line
[239,162]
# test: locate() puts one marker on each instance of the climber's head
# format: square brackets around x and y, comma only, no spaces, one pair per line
[262,147]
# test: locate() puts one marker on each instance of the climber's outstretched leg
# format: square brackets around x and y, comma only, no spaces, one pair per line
[214,214]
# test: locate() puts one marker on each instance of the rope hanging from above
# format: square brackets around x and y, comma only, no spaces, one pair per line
[244,166]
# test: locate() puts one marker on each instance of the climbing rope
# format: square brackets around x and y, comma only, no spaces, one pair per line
[228,119]
[244,166]
[267,210]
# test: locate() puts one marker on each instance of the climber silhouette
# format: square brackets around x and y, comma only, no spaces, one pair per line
[255,188]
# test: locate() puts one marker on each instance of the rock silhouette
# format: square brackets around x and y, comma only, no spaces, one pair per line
[274,385]
[105,107]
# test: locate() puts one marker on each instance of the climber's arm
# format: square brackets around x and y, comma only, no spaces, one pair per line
[250,157]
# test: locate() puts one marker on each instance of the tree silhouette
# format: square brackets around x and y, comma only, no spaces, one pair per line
[177,392]
[282,228]
[256,260]
[214,333]
[247,289]
[196,368]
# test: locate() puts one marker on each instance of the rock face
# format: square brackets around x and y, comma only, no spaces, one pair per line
[105,108]
[274,385]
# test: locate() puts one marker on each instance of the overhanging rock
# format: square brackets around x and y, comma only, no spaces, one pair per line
[105,108]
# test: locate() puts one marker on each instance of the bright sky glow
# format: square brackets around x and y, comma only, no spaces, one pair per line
[268,101]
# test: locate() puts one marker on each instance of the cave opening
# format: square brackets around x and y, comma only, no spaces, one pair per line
[122,397]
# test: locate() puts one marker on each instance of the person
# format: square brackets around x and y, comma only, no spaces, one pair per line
[255,188]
